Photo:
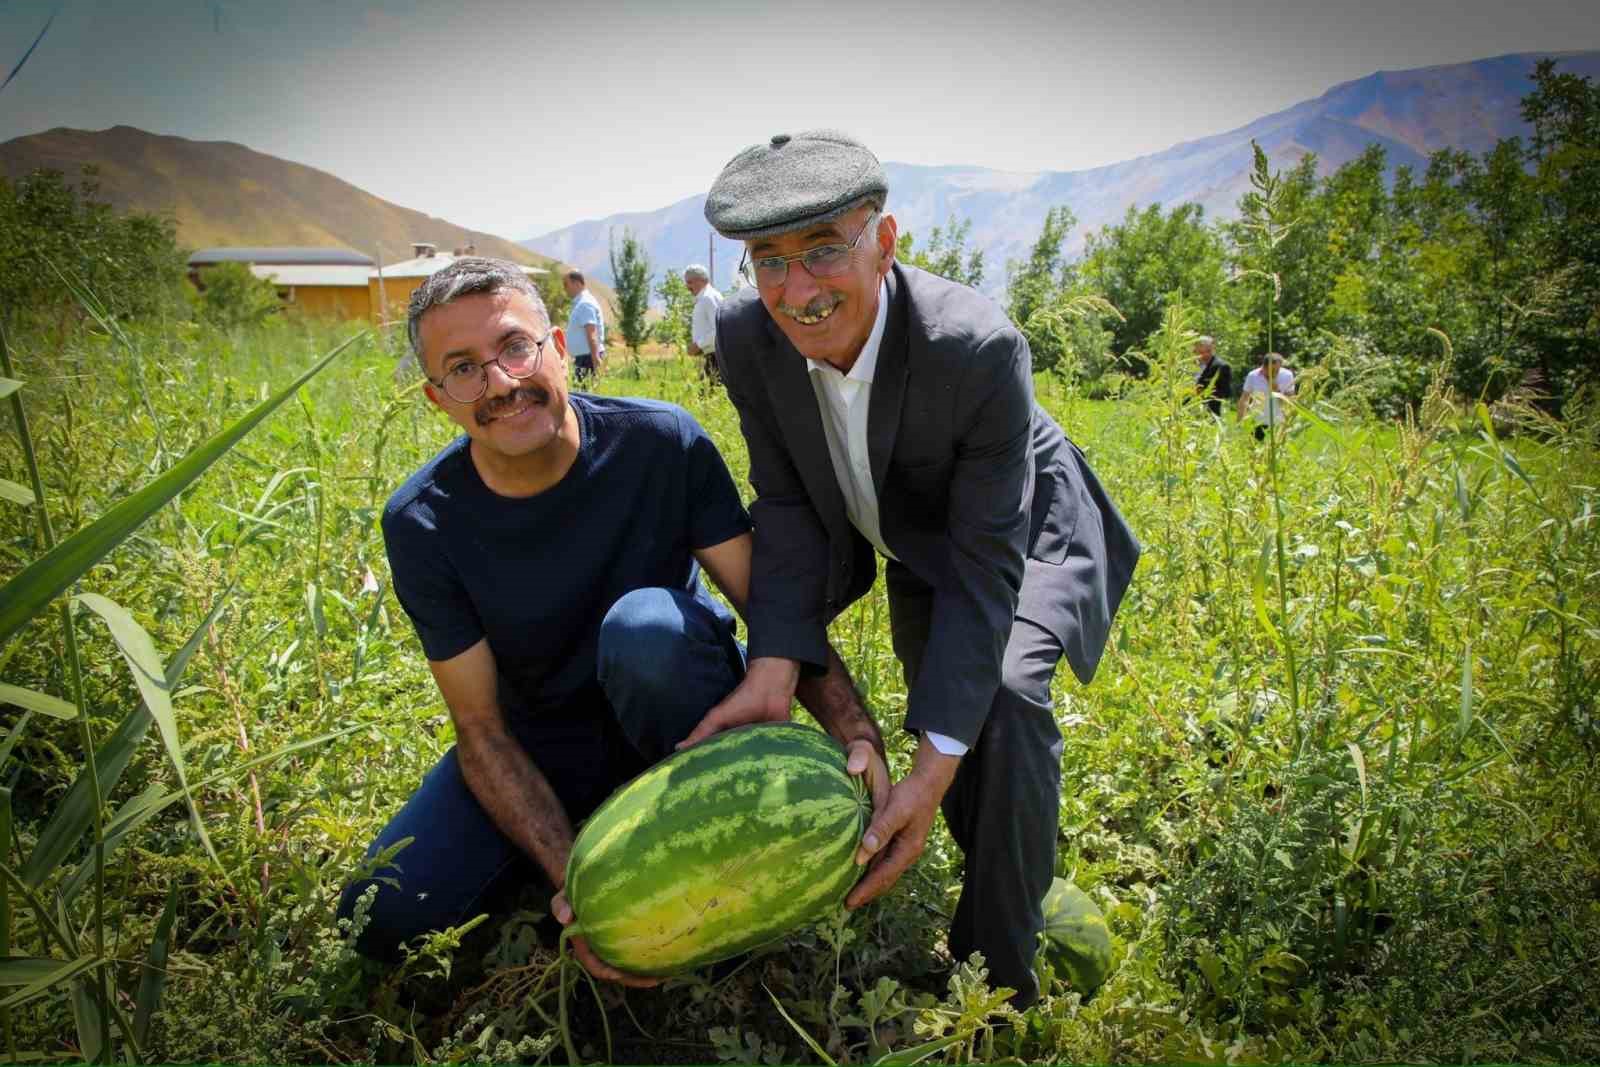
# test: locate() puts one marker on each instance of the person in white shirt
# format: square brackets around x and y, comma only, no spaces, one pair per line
[1270,410]
[703,326]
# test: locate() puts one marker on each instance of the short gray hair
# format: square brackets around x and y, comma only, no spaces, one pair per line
[466,276]
[695,270]
[1205,341]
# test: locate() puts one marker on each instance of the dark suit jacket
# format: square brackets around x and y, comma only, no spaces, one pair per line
[1215,384]
[976,486]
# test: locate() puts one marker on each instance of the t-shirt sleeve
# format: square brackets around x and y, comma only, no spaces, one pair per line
[584,314]
[427,586]
[715,512]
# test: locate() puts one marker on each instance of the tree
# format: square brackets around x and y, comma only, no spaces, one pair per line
[630,269]
[554,294]
[231,296]
[1035,282]
[943,254]
[672,329]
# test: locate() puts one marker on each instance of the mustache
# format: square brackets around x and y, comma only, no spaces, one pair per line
[492,408]
[820,303]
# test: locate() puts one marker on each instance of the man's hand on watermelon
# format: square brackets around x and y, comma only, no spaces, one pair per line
[864,761]
[765,695]
[562,910]
[899,828]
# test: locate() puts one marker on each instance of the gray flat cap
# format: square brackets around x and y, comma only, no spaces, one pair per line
[793,181]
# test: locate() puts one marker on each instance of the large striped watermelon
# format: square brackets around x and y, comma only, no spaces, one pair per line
[1076,941]
[717,849]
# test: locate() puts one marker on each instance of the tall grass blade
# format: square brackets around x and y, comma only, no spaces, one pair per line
[1464,721]
[1258,591]
[17,494]
[14,736]
[807,1038]
[43,703]
[25,970]
[905,1057]
[8,386]
[75,813]
[29,592]
[43,983]
[151,678]
[155,968]
[5,917]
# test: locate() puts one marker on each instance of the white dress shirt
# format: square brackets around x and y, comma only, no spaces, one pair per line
[843,401]
[703,325]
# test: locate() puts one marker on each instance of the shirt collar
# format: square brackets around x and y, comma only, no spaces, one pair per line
[866,364]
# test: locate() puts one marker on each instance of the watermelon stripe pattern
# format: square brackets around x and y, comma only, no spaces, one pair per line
[718,849]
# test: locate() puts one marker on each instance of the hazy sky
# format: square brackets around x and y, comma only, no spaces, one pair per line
[519,117]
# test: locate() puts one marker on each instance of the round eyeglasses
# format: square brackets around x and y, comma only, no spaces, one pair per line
[824,261]
[465,381]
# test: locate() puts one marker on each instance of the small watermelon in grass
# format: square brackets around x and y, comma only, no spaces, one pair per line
[1076,941]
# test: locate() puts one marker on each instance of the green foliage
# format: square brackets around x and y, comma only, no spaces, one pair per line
[554,294]
[944,252]
[630,267]
[677,317]
[231,296]
[50,228]
[1038,281]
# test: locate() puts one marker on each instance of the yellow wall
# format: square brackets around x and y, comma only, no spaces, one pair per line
[331,301]
[398,292]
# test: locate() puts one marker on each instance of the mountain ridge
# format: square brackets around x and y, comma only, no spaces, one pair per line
[1412,112]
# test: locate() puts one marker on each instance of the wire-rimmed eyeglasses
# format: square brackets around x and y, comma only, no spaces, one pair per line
[824,261]
[465,381]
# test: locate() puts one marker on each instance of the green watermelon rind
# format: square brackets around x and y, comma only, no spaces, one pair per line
[720,848]
[1076,940]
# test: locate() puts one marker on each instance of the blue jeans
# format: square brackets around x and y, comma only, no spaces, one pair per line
[664,660]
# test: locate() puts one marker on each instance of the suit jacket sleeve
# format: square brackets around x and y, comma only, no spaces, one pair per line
[991,490]
[787,613]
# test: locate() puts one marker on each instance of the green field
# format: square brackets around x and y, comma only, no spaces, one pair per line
[1334,784]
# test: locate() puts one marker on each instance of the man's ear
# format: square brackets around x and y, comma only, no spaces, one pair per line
[559,336]
[888,236]
[433,395]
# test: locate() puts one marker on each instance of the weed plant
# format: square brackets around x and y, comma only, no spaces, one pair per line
[1334,784]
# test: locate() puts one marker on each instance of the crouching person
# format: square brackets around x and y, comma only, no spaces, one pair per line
[550,561]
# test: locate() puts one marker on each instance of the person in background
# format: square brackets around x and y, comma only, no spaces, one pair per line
[586,328]
[703,325]
[1214,381]
[1262,390]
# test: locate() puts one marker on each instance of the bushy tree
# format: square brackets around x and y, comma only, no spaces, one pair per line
[677,319]
[945,254]
[554,294]
[231,296]
[56,237]
[1035,283]
[630,269]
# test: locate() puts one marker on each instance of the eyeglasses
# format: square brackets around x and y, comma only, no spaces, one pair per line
[466,381]
[824,261]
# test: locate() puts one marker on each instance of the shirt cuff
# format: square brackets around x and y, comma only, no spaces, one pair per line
[947,746]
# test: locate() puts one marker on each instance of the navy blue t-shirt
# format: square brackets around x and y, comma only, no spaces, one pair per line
[536,575]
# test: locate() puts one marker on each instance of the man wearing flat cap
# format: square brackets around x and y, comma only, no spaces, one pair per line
[890,412]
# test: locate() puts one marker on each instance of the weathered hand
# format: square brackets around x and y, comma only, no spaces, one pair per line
[765,695]
[562,910]
[900,825]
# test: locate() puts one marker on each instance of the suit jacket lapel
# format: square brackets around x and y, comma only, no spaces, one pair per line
[889,382]
[795,403]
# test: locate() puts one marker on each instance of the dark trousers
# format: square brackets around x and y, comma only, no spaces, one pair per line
[582,368]
[664,660]
[1004,807]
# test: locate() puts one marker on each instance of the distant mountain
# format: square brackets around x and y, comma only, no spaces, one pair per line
[1412,113]
[223,193]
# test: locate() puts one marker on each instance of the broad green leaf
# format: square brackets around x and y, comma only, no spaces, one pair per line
[17,494]
[1361,769]
[86,1016]
[42,983]
[14,736]
[5,888]
[151,677]
[905,1057]
[1259,590]
[26,970]
[8,386]
[155,968]
[1464,722]
[43,703]
[41,581]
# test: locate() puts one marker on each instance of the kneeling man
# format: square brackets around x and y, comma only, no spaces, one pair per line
[550,561]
